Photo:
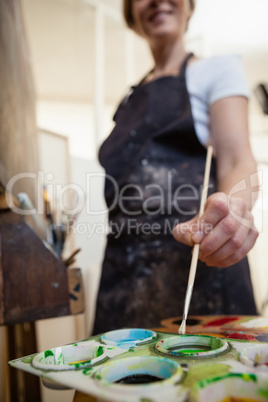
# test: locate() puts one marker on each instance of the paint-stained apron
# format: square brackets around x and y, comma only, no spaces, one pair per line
[154,164]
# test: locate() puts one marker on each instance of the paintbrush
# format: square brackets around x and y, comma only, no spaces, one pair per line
[195,254]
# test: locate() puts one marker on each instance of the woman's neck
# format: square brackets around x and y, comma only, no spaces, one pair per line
[168,59]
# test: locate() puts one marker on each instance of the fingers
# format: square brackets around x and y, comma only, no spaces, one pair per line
[216,208]
[183,232]
[225,232]
[236,248]
[196,229]
[241,252]
[232,228]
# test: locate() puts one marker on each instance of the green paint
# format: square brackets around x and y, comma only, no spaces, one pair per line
[98,377]
[131,350]
[110,348]
[28,359]
[48,353]
[245,377]
[77,365]
[190,351]
[99,351]
[60,359]
[146,400]
[87,371]
[75,344]
[199,374]
[263,392]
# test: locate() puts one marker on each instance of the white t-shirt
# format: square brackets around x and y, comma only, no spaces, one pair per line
[209,80]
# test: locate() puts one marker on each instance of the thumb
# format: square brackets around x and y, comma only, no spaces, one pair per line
[188,232]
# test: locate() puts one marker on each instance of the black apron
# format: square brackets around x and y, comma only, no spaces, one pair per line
[154,164]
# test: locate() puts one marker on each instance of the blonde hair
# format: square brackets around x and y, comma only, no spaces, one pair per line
[128,16]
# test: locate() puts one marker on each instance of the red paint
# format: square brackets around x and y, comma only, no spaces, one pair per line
[245,337]
[220,321]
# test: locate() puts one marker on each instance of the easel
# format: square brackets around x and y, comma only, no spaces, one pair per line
[34,285]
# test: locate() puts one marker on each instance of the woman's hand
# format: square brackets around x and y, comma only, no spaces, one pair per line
[225,232]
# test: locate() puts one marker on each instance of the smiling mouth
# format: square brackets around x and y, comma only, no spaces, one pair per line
[159,15]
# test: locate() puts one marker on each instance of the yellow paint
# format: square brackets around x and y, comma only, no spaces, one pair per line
[258,358]
[78,362]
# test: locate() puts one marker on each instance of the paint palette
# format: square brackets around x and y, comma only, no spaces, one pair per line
[134,365]
[248,328]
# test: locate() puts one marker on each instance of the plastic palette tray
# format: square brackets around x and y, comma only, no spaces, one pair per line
[143,365]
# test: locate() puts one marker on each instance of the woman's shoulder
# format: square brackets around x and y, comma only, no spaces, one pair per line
[219,62]
[217,76]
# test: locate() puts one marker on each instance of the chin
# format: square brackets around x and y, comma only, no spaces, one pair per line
[162,31]
[164,35]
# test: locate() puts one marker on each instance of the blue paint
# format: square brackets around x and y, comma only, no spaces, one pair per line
[128,338]
[166,370]
[139,334]
[126,345]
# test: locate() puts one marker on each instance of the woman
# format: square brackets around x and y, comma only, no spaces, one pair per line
[154,160]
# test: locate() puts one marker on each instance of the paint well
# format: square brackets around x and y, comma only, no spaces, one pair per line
[256,356]
[192,346]
[69,357]
[191,322]
[128,338]
[137,379]
[137,371]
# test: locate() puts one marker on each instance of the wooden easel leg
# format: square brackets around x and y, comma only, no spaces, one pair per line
[24,387]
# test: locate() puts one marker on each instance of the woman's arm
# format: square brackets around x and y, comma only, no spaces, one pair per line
[236,166]
[228,231]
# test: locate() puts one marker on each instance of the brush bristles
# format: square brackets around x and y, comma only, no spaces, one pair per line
[182,328]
